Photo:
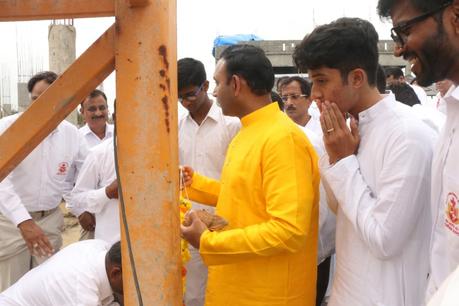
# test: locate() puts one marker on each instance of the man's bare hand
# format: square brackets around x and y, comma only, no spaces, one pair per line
[36,240]
[87,221]
[112,190]
[193,233]
[187,176]
[339,141]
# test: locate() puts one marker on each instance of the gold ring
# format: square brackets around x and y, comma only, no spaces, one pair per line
[330,130]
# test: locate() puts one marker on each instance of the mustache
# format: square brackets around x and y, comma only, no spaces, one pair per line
[290,107]
[97,117]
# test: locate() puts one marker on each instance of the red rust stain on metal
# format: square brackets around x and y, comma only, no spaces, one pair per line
[165,101]
[163,53]
[162,73]
[168,82]
[162,86]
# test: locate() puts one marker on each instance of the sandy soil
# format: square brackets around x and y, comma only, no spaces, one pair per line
[71,227]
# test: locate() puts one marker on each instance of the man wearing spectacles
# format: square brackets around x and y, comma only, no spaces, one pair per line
[94,110]
[426,33]
[295,92]
[204,135]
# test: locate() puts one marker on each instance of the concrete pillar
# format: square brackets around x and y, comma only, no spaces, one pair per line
[23,97]
[62,53]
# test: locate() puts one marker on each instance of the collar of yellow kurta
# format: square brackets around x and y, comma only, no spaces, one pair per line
[266,112]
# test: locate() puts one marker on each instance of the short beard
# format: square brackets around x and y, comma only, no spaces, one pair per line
[436,62]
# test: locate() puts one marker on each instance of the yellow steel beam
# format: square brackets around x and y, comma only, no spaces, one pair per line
[146,120]
[17,10]
[43,115]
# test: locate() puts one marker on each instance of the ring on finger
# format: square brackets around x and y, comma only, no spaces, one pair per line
[330,130]
[35,245]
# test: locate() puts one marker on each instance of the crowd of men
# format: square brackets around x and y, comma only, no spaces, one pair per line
[344,182]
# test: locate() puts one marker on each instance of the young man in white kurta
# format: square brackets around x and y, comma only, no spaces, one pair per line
[378,170]
[74,276]
[98,172]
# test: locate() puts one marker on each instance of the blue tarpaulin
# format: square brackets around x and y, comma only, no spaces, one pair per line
[224,40]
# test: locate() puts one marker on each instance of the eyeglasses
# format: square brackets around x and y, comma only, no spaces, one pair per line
[293,97]
[398,33]
[191,96]
[93,109]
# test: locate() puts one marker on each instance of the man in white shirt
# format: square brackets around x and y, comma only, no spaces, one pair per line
[84,273]
[378,170]
[432,46]
[96,191]
[31,221]
[94,110]
[204,135]
[296,94]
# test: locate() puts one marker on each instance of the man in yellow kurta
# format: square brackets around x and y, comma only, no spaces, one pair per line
[268,193]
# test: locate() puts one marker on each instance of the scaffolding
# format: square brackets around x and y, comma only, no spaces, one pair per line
[141,47]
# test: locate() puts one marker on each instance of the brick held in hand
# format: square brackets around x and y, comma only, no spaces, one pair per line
[213,222]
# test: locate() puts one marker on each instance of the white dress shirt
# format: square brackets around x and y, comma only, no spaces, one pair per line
[203,147]
[91,138]
[314,123]
[445,198]
[327,219]
[97,172]
[420,93]
[448,293]
[45,176]
[383,219]
[74,276]
[441,102]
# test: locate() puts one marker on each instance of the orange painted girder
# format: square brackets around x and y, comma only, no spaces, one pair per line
[17,10]
[63,96]
[134,3]
[147,154]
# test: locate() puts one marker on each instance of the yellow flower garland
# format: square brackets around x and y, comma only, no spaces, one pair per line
[185,206]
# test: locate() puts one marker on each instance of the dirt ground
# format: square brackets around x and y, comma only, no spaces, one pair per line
[71,227]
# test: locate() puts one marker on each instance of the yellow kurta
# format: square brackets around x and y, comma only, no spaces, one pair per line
[269,194]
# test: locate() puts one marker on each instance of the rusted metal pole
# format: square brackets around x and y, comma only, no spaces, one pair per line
[63,96]
[16,10]
[146,121]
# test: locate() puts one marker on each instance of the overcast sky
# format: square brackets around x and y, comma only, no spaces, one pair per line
[198,23]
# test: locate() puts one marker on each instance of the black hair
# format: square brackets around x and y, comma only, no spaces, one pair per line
[396,72]
[47,76]
[381,80]
[280,82]
[345,44]
[275,97]
[405,94]
[114,254]
[304,84]
[190,72]
[250,63]
[423,6]
[96,93]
